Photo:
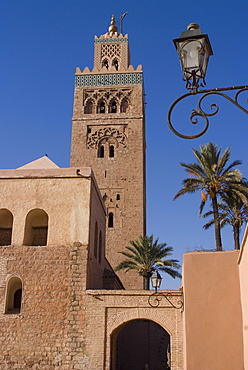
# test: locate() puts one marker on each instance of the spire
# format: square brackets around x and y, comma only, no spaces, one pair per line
[112,27]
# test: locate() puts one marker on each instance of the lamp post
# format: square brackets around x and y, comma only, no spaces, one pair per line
[155,298]
[194,49]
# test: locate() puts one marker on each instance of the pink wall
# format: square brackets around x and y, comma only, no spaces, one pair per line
[243,271]
[212,316]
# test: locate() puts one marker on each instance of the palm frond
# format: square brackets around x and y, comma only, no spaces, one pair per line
[147,255]
[213,176]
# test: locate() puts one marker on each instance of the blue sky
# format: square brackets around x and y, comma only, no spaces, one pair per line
[43,41]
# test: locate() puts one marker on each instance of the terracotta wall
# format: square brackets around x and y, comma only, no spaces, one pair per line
[212,316]
[243,271]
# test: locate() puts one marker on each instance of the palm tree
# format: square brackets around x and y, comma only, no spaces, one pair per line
[232,211]
[214,178]
[146,256]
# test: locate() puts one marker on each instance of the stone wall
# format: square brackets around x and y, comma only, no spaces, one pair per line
[48,332]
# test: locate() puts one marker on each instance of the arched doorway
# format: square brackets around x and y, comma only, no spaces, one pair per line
[140,345]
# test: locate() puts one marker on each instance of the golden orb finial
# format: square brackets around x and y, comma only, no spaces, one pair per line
[193,26]
[112,27]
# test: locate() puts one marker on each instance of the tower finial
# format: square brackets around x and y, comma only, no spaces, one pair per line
[112,27]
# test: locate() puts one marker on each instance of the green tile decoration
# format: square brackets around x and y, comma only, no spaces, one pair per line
[124,39]
[109,79]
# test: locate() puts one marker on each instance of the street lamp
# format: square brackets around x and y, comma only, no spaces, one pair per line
[169,298]
[156,280]
[194,49]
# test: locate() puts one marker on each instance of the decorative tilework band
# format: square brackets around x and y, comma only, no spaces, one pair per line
[109,79]
[124,39]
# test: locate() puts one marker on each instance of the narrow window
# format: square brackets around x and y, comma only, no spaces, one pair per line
[116,64]
[124,105]
[100,248]
[101,107]
[14,296]
[118,197]
[113,107]
[96,240]
[105,63]
[6,222]
[111,151]
[89,107]
[111,220]
[101,151]
[36,228]
[17,299]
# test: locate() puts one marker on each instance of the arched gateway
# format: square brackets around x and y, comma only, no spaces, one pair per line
[140,345]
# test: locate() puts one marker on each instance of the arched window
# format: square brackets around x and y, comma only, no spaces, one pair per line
[116,64]
[111,151]
[111,220]
[96,240]
[101,151]
[17,299]
[6,222]
[14,296]
[36,228]
[88,109]
[101,107]
[124,106]
[118,197]
[112,106]
[100,248]
[105,63]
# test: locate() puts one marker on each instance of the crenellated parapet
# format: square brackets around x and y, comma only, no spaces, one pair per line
[111,62]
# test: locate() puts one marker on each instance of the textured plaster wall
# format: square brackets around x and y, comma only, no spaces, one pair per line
[212,316]
[243,271]
[62,195]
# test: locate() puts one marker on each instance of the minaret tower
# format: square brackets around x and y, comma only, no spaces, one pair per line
[108,134]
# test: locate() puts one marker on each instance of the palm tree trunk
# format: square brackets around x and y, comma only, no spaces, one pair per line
[146,283]
[236,230]
[216,224]
[146,280]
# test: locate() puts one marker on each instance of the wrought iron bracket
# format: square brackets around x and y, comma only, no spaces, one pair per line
[155,299]
[199,112]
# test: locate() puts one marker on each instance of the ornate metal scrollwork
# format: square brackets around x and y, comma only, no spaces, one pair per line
[155,299]
[199,112]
